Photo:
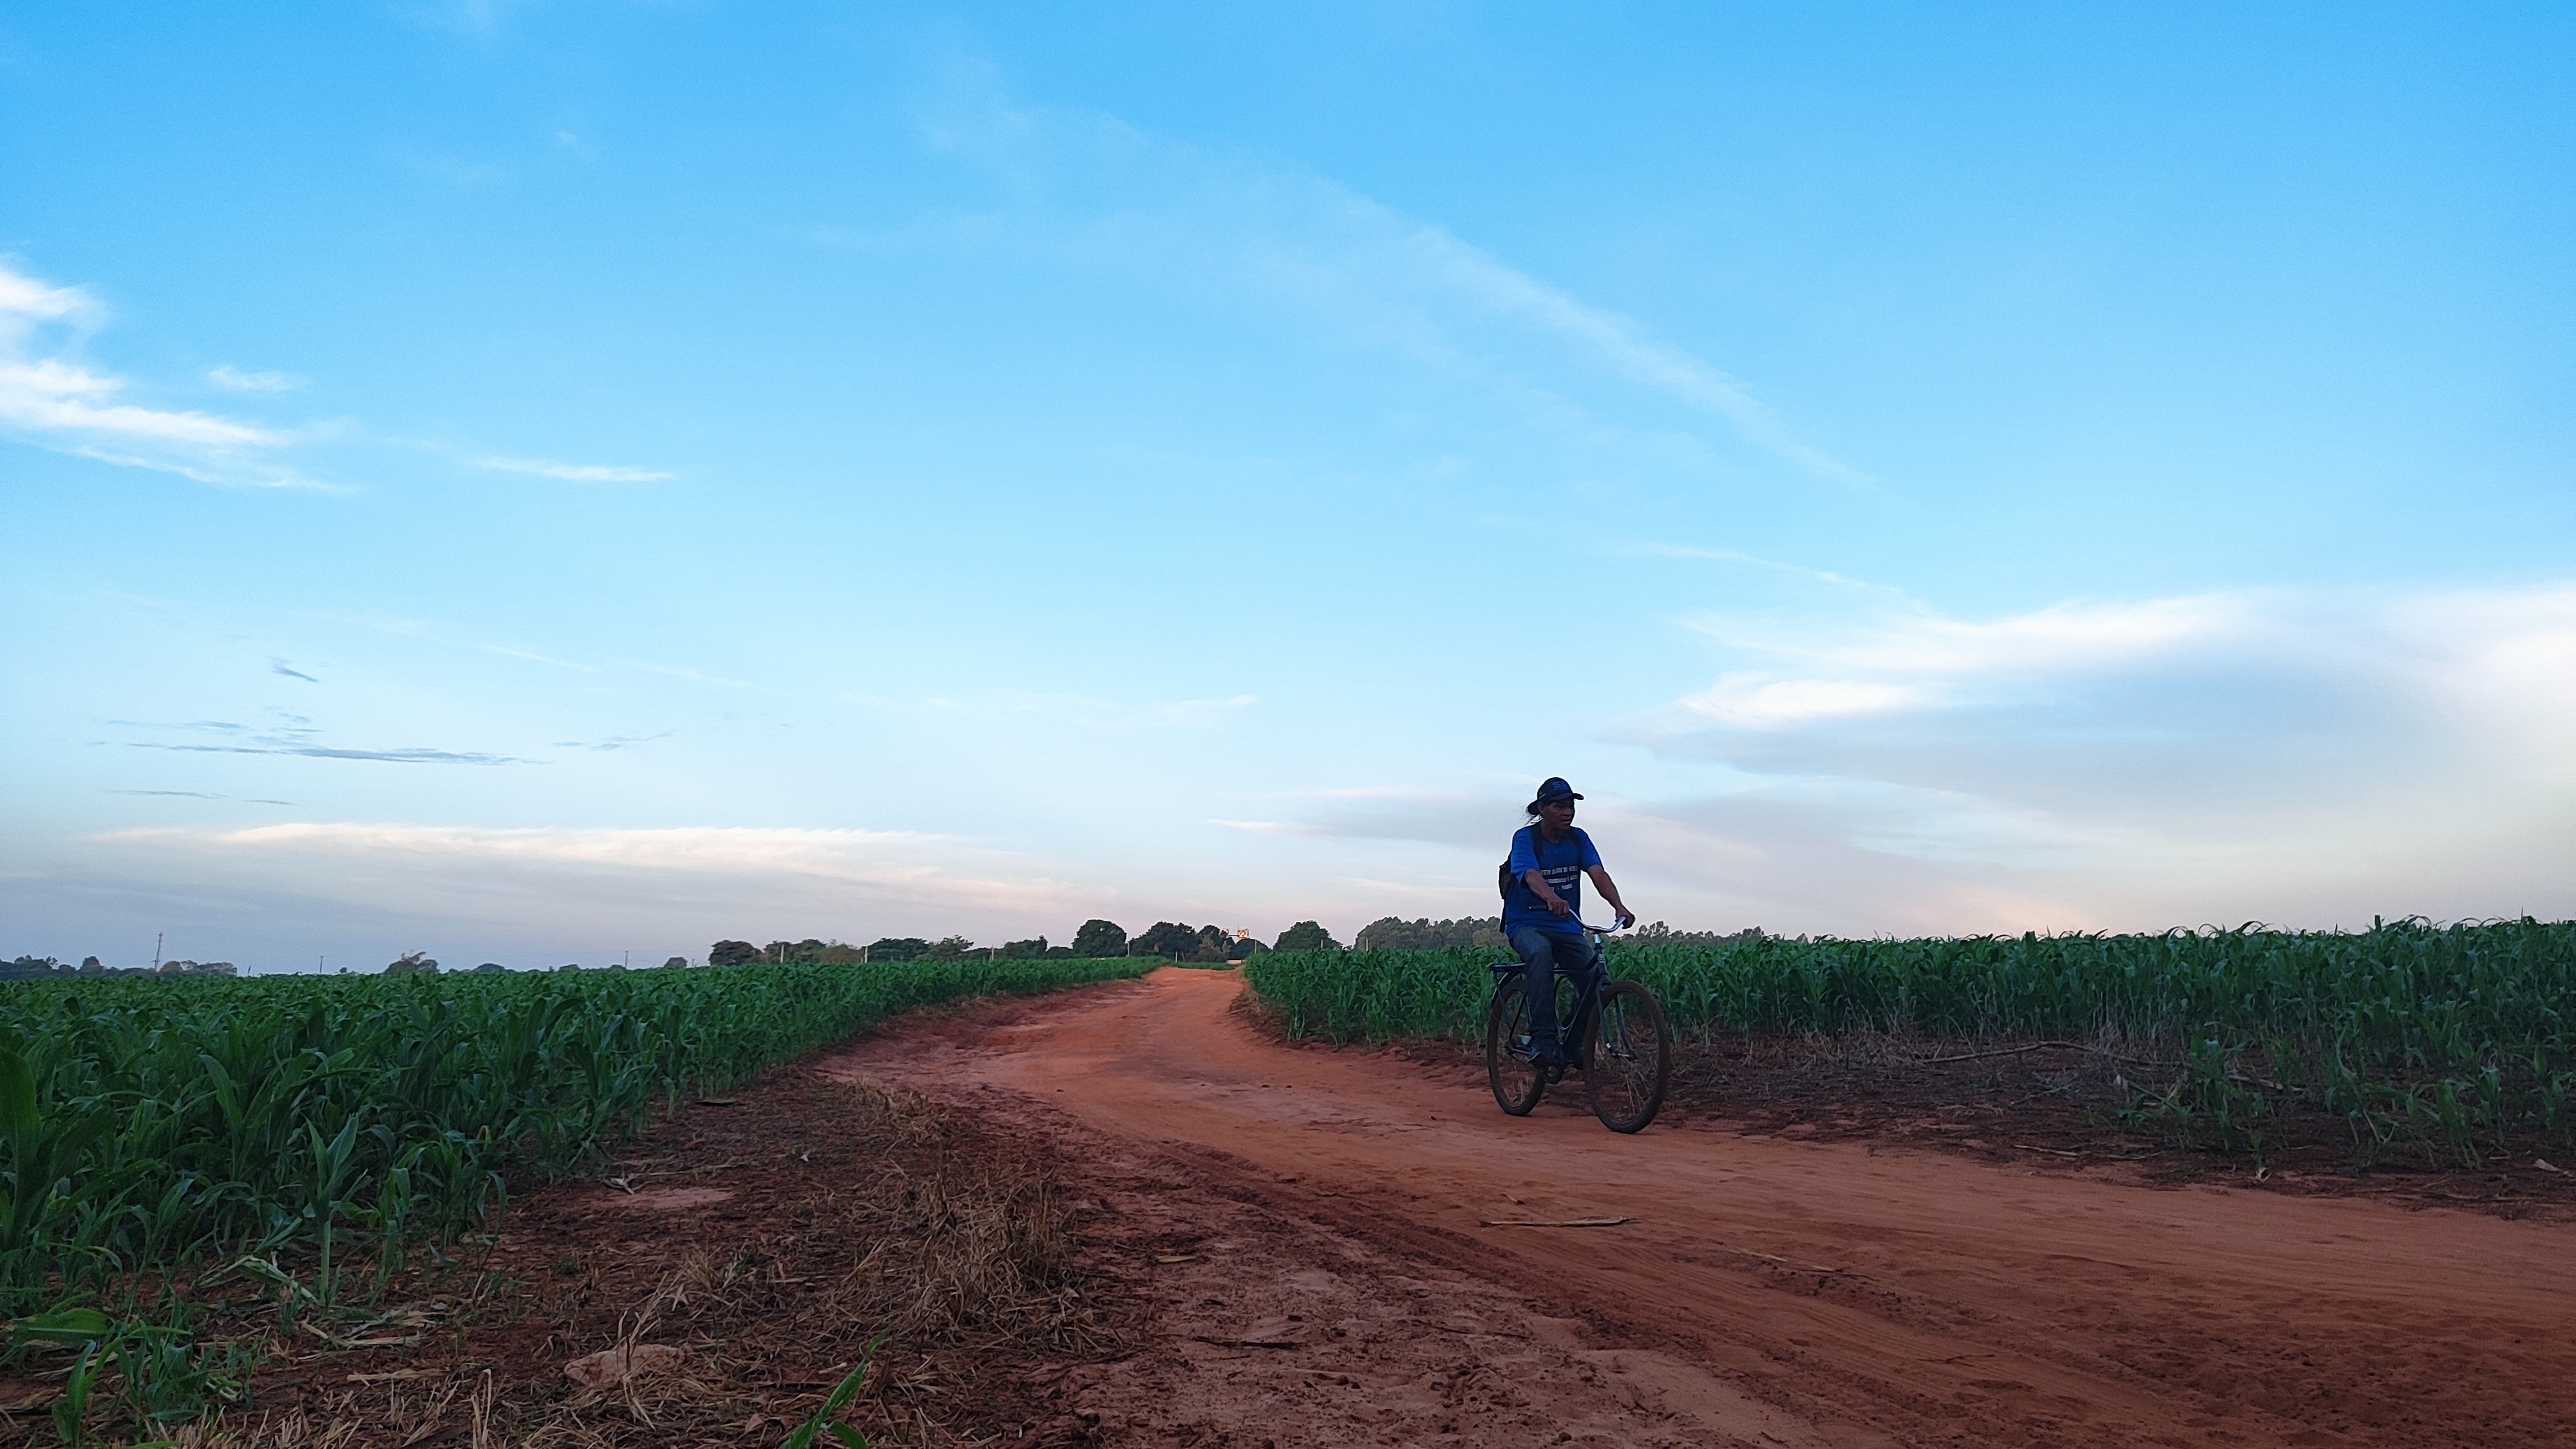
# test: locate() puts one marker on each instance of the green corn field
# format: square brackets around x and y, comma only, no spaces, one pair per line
[322,1122]
[2458,1034]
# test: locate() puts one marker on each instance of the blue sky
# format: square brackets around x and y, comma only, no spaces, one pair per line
[537,482]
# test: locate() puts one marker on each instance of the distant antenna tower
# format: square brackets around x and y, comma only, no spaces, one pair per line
[156,949]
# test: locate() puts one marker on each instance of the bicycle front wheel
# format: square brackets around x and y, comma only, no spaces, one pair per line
[1509,1069]
[1632,1058]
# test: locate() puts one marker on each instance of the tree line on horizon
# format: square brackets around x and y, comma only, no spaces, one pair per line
[36,968]
[1197,945]
[1203,945]
[1394,933]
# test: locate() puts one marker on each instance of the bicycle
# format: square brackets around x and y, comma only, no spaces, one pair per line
[1621,1045]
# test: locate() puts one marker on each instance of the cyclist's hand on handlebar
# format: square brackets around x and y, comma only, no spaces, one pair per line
[1557,904]
[1626,918]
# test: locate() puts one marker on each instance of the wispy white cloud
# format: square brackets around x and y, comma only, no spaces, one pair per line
[1107,715]
[2074,635]
[1756,561]
[2244,755]
[1623,343]
[1187,712]
[1755,700]
[24,301]
[1107,193]
[239,381]
[533,657]
[50,398]
[1900,657]
[411,756]
[2303,757]
[481,19]
[1270,827]
[462,173]
[736,850]
[694,676]
[202,795]
[572,472]
[613,742]
[293,735]
[707,869]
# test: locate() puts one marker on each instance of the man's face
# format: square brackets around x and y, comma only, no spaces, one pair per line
[1556,814]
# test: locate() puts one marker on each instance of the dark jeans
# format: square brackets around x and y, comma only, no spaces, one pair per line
[1545,953]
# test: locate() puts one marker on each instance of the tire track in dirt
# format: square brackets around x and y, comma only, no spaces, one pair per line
[1794,1292]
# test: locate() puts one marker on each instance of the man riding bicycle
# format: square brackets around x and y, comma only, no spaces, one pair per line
[1542,909]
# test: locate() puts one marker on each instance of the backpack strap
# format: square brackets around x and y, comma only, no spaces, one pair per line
[1538,856]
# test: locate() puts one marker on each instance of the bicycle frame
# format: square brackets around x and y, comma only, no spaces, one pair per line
[1575,1029]
[1612,1031]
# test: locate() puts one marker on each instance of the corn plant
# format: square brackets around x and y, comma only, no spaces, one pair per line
[826,1418]
[150,1124]
[2451,1035]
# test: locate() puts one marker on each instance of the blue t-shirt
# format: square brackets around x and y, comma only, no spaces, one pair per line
[1562,865]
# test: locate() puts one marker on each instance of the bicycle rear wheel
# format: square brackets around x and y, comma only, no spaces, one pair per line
[1509,1068]
[1632,1058]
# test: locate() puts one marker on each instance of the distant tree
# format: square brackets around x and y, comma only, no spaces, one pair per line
[1393,933]
[1167,938]
[1215,945]
[90,966]
[491,966]
[1386,933]
[416,962]
[675,963]
[732,953]
[1099,938]
[950,948]
[1247,948]
[898,948]
[1662,935]
[1059,953]
[810,951]
[1307,936]
[1025,950]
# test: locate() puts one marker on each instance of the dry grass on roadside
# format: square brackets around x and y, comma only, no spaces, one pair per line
[913,1223]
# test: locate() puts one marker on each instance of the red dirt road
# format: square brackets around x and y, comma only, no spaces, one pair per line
[1769,1291]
